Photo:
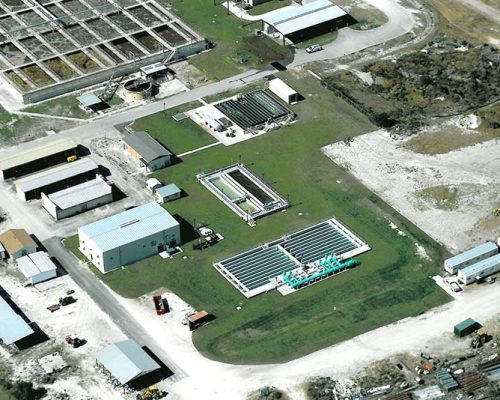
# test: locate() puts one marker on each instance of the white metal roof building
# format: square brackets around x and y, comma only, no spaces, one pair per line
[37,267]
[78,199]
[129,236]
[13,327]
[480,270]
[283,91]
[294,20]
[37,156]
[126,361]
[55,178]
[470,257]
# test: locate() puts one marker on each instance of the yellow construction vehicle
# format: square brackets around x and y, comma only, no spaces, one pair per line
[496,212]
[72,158]
[481,338]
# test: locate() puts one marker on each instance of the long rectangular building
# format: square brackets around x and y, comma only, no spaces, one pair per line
[454,264]
[129,236]
[300,23]
[56,178]
[77,199]
[13,327]
[480,270]
[36,157]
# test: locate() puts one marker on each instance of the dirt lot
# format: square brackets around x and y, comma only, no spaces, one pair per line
[450,196]
[79,380]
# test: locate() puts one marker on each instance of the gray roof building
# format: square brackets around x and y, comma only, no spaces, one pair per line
[470,257]
[126,361]
[81,193]
[145,146]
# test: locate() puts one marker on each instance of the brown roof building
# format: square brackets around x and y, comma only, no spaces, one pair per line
[17,243]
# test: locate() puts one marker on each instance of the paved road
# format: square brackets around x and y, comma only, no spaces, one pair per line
[101,295]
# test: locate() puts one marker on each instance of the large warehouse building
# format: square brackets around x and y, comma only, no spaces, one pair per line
[304,22]
[129,236]
[78,199]
[36,157]
[147,151]
[56,178]
[454,264]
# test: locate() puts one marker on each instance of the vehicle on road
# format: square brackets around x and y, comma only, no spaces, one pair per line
[314,48]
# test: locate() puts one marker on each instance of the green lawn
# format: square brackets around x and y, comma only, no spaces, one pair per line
[269,6]
[228,33]
[391,283]
[180,136]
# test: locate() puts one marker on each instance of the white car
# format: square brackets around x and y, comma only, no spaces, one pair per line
[314,48]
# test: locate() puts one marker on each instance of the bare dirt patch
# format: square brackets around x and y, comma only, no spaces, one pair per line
[450,196]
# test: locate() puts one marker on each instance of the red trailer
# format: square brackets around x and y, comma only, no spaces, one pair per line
[160,307]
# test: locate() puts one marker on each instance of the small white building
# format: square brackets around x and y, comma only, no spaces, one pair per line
[480,270]
[78,199]
[454,264]
[283,91]
[129,236]
[167,193]
[37,267]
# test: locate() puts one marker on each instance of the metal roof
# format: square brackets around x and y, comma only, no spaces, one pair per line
[36,152]
[470,254]
[14,240]
[474,269]
[55,174]
[126,361]
[168,190]
[147,147]
[89,100]
[153,68]
[129,226]
[12,327]
[297,18]
[80,194]
[34,264]
[282,87]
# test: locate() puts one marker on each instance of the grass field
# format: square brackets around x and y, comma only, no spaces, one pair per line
[392,282]
[178,137]
[269,6]
[228,33]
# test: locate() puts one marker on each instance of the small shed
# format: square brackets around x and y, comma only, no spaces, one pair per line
[17,243]
[197,319]
[466,327]
[126,361]
[89,101]
[167,193]
[2,252]
[37,267]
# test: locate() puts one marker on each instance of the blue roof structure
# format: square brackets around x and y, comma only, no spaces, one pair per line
[129,226]
[297,18]
[475,269]
[471,254]
[89,100]
[12,327]
[168,190]
[126,361]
